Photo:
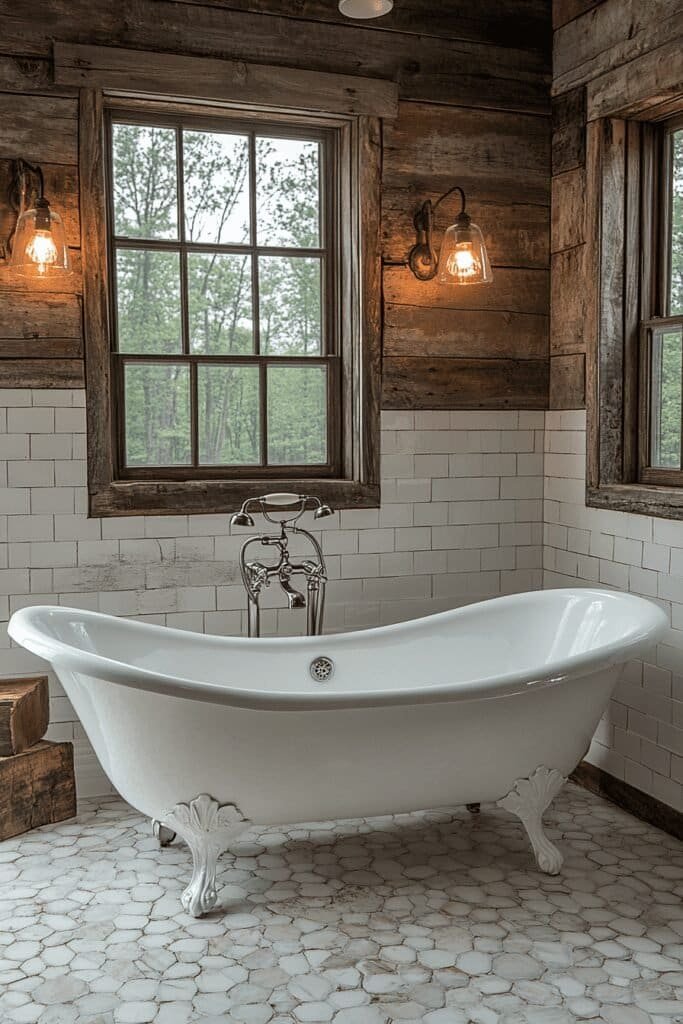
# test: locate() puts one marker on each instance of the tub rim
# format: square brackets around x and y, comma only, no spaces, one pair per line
[24,628]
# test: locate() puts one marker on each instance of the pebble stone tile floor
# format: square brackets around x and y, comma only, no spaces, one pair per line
[438,917]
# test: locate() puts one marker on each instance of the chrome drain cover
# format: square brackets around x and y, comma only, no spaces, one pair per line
[321,669]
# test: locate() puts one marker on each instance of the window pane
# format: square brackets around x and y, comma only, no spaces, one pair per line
[288,193]
[148,301]
[216,173]
[219,303]
[157,414]
[676,304]
[290,305]
[666,399]
[145,190]
[229,423]
[297,415]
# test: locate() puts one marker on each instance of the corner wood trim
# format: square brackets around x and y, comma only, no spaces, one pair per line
[640,805]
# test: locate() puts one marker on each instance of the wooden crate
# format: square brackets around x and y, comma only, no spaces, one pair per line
[24,713]
[37,787]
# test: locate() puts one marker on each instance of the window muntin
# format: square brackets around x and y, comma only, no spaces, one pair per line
[661,435]
[224,327]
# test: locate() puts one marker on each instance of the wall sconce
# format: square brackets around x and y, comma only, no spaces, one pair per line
[463,258]
[38,242]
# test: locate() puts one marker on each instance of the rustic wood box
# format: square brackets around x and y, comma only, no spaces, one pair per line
[37,787]
[24,713]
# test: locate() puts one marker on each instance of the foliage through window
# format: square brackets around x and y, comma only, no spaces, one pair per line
[662,386]
[223,249]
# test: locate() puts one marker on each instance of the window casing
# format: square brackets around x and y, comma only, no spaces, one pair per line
[348,356]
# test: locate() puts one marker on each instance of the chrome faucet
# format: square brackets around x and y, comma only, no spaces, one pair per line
[256,574]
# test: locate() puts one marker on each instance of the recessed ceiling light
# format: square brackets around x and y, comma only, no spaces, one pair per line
[365,9]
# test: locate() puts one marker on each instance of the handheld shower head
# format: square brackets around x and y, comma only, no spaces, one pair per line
[323,511]
[242,518]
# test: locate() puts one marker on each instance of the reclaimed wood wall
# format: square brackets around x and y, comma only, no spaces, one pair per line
[475,110]
[599,46]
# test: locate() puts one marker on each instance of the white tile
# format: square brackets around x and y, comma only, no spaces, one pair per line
[376,540]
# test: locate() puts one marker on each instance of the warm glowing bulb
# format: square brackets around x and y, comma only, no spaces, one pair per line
[42,250]
[461,262]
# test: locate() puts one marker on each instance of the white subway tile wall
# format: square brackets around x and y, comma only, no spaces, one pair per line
[640,739]
[461,520]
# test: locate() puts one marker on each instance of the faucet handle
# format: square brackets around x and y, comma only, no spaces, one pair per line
[281,499]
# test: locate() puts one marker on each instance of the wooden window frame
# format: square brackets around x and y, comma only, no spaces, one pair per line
[626,264]
[349,481]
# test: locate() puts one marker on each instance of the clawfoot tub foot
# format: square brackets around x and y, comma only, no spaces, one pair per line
[163,834]
[528,799]
[208,829]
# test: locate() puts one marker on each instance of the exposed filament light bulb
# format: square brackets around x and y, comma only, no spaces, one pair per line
[42,250]
[461,263]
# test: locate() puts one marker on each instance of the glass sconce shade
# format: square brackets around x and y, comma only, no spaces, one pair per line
[463,258]
[39,246]
[365,9]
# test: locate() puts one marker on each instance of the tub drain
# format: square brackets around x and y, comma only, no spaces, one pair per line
[321,669]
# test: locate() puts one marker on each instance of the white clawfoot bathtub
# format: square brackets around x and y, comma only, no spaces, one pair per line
[497,701]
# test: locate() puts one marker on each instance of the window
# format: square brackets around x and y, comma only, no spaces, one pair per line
[231,297]
[662,334]
[224,328]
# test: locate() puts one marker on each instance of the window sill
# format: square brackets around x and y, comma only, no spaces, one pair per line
[639,499]
[216,497]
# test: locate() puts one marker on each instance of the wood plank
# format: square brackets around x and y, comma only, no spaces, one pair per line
[568,213]
[567,10]
[42,373]
[96,291]
[522,24]
[52,348]
[423,383]
[568,301]
[567,382]
[217,497]
[639,86]
[640,805]
[501,157]
[24,713]
[424,67]
[37,787]
[594,148]
[105,67]
[514,291]
[61,188]
[610,353]
[41,129]
[410,331]
[516,235]
[25,74]
[610,35]
[367,404]
[569,130]
[24,314]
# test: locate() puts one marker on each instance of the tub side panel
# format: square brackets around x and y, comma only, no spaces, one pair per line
[301,766]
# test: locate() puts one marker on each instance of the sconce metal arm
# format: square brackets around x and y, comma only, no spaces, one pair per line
[17,191]
[423,260]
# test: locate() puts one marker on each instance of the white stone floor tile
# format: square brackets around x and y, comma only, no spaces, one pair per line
[438,917]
